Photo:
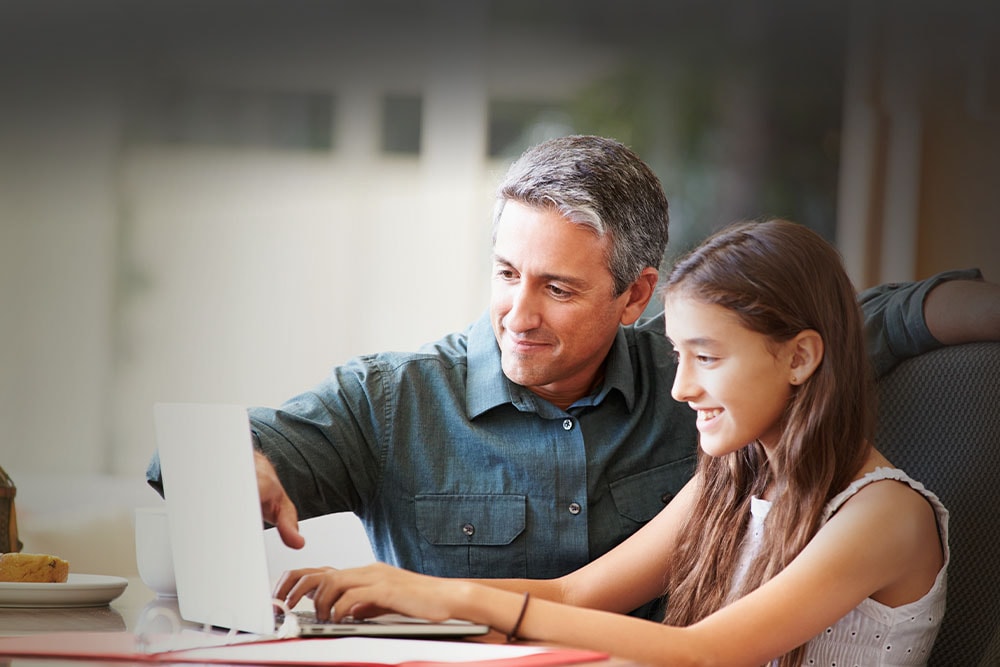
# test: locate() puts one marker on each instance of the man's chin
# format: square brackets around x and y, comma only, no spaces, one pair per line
[526,377]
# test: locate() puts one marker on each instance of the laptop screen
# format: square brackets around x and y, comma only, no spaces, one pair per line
[217,531]
[216,528]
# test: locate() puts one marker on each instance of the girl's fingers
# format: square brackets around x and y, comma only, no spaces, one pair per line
[361,592]
[290,577]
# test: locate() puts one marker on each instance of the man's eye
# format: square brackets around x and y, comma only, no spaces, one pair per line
[558,292]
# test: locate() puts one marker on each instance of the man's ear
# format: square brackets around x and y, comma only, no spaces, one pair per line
[638,294]
[807,351]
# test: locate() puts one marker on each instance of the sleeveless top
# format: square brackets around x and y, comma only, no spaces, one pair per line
[871,634]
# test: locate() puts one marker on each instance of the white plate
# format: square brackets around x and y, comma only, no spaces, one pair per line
[79,590]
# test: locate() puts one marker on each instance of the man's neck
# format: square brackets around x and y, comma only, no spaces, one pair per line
[563,397]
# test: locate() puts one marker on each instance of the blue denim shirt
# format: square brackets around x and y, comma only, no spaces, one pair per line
[456,471]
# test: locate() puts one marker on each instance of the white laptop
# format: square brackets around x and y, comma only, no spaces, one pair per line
[217,532]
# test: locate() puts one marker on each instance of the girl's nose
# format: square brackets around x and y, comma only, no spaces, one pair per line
[684,388]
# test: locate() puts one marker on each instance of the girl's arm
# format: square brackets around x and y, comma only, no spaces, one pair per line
[876,545]
[625,578]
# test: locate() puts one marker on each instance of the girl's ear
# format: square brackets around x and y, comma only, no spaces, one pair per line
[807,352]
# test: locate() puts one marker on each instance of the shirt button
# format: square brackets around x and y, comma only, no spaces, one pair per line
[574,508]
[567,424]
[469,529]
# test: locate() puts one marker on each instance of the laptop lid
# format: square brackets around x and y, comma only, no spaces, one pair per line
[213,508]
[217,530]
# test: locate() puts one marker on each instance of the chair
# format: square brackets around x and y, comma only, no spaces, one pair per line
[939,420]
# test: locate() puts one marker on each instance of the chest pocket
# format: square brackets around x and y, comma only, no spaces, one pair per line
[480,535]
[640,497]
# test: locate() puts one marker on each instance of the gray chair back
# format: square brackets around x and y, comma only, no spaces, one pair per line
[939,420]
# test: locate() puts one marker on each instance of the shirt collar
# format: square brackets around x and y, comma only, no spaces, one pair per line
[618,372]
[488,387]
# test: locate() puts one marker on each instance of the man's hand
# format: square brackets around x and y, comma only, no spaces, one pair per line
[275,505]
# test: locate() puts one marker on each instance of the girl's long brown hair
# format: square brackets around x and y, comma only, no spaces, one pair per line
[779,278]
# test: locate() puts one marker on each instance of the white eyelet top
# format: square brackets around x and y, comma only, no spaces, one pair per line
[872,634]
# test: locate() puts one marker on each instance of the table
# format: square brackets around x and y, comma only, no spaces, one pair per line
[128,612]
[123,613]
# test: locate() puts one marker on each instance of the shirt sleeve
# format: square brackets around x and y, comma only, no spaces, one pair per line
[154,477]
[895,328]
[325,443]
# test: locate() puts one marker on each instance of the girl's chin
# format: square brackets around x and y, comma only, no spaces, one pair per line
[716,448]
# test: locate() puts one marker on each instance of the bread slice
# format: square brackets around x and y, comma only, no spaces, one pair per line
[33,568]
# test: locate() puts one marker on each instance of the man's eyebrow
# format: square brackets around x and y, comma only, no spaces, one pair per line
[500,259]
[571,281]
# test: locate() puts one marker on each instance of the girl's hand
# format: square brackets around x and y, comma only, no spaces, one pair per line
[369,591]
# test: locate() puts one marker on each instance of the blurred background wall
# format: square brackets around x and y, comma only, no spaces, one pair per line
[219,201]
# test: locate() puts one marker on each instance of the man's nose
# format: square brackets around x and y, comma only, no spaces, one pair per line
[524,313]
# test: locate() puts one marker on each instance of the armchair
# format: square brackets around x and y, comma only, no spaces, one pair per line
[939,420]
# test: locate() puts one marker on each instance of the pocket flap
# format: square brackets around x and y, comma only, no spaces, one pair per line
[640,497]
[470,519]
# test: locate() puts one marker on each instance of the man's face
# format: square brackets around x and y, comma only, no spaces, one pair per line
[552,307]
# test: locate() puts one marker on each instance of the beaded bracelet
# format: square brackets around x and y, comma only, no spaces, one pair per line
[512,635]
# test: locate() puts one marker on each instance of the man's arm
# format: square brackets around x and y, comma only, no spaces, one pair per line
[312,457]
[276,507]
[905,319]
[963,311]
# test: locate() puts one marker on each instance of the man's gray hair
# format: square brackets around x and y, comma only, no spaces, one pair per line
[599,183]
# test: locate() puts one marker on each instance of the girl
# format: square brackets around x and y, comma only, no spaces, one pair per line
[795,542]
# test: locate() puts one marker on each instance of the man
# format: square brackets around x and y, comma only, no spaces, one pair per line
[544,434]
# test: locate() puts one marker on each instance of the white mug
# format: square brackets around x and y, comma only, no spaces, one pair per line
[153,557]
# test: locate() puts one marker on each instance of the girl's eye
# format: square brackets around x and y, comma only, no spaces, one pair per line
[705,359]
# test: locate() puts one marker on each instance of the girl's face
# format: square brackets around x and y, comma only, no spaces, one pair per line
[735,379]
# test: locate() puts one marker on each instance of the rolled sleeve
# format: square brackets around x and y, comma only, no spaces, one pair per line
[325,444]
[895,327]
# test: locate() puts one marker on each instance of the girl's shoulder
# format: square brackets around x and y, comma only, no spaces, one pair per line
[905,488]
[899,513]
[875,479]
[896,503]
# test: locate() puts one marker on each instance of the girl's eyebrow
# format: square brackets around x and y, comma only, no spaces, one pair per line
[702,342]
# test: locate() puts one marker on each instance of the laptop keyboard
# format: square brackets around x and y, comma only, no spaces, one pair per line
[310,618]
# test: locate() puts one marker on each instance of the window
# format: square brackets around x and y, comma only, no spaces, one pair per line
[402,117]
[178,114]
